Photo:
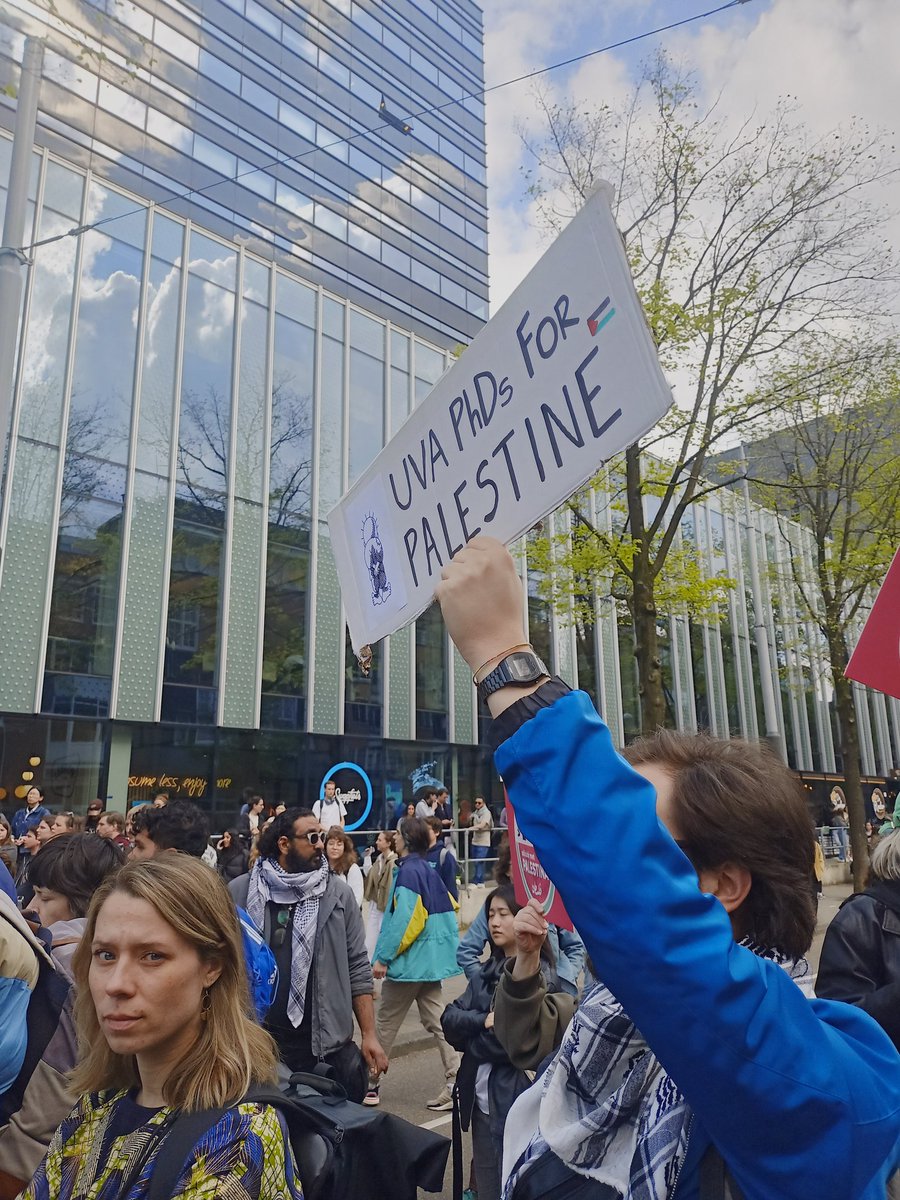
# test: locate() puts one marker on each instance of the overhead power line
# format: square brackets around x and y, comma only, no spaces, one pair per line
[391,122]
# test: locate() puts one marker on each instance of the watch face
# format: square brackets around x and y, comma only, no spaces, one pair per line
[521,666]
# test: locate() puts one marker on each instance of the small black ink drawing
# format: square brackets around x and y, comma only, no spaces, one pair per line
[374,555]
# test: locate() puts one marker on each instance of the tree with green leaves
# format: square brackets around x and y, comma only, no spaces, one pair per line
[740,240]
[833,466]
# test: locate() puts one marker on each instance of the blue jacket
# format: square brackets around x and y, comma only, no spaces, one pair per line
[801,1097]
[29,818]
[420,932]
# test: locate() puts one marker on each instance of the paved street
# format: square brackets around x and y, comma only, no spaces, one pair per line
[415,1075]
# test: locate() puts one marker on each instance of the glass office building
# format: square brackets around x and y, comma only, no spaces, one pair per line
[257,233]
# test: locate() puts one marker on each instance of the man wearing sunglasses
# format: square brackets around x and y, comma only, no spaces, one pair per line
[312,923]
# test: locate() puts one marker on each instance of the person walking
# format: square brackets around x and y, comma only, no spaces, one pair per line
[162,1016]
[482,824]
[415,952]
[313,925]
[378,870]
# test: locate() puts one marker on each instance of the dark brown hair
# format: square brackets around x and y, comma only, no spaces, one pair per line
[74,865]
[349,857]
[737,802]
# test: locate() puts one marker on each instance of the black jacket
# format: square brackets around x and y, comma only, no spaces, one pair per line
[860,961]
[463,1025]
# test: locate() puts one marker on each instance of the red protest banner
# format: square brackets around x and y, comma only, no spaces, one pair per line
[530,880]
[876,659]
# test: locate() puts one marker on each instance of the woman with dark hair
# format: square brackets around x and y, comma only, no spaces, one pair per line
[379,872]
[231,855]
[409,813]
[341,856]
[65,875]
[416,950]
[487,1082]
[162,1011]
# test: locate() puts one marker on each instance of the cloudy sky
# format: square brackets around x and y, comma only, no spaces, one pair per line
[836,58]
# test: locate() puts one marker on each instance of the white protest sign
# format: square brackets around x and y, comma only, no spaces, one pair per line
[564,376]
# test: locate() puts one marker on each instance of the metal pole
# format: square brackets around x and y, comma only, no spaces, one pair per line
[764,658]
[11,257]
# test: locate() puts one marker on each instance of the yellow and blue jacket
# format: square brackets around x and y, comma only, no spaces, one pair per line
[420,933]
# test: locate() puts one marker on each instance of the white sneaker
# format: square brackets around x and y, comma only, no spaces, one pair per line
[442,1102]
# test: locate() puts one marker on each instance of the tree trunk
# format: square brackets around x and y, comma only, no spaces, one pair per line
[646,648]
[642,601]
[846,711]
[856,813]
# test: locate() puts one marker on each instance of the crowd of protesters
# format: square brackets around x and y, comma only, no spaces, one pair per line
[147,970]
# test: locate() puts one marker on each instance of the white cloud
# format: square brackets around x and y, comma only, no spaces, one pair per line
[836,58]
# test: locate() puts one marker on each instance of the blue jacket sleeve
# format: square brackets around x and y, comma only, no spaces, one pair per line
[472,943]
[801,1096]
[14,997]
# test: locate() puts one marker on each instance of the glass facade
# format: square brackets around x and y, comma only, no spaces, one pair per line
[344,141]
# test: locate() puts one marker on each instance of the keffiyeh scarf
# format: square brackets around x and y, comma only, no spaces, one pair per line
[608,1109]
[303,889]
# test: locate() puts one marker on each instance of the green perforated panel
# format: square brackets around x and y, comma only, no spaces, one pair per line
[242,643]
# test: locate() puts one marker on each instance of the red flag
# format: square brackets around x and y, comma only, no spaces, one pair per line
[876,659]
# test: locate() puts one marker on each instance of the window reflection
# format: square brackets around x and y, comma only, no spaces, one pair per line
[284,684]
[192,636]
[431,676]
[85,590]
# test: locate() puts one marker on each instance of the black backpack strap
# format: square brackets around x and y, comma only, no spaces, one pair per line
[457,1147]
[716,1182]
[176,1146]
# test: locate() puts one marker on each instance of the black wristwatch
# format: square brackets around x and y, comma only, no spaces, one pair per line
[520,668]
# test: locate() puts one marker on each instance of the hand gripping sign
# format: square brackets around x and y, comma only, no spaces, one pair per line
[564,376]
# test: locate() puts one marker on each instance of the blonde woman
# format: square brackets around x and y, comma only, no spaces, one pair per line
[162,1012]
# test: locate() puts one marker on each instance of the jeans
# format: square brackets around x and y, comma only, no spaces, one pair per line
[479,854]
[839,835]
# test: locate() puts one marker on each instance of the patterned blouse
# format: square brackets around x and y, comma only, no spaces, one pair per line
[102,1152]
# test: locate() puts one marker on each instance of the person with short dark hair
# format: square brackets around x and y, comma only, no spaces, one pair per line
[312,922]
[330,809]
[65,875]
[177,825]
[703,1050]
[415,952]
[441,857]
[33,812]
[480,845]
[112,827]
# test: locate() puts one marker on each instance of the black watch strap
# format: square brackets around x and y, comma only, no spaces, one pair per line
[517,669]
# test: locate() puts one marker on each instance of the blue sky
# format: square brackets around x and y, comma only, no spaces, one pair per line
[836,58]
